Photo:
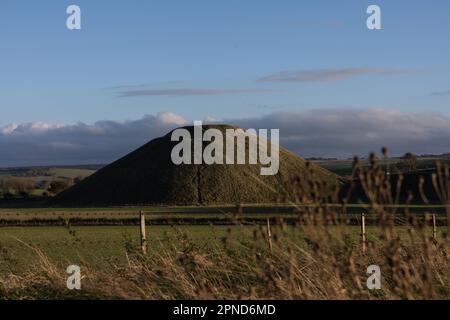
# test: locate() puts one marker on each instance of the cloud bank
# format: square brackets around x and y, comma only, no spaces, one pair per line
[347,132]
[326,75]
[45,144]
[325,132]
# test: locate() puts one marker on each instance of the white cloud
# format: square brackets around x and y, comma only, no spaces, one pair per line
[171,118]
[9,128]
[326,132]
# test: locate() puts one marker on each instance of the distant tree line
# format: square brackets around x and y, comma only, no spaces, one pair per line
[19,187]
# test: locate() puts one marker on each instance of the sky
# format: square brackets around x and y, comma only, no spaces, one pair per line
[166,63]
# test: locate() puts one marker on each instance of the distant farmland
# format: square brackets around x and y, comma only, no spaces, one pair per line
[344,167]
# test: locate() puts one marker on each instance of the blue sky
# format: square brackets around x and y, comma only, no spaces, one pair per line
[51,74]
[310,68]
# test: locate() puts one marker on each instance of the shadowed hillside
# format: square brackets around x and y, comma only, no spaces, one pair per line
[147,176]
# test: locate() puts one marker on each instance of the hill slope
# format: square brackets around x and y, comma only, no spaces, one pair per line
[147,176]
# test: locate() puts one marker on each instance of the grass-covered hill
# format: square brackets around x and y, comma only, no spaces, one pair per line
[147,176]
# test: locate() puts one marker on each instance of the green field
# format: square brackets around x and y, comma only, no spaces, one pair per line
[188,214]
[100,246]
[70,172]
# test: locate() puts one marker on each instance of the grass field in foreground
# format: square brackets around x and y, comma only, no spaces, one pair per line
[102,246]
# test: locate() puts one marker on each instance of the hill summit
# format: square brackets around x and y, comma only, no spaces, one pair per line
[148,176]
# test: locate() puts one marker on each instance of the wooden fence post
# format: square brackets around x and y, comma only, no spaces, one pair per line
[143,234]
[434,227]
[269,235]
[363,233]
